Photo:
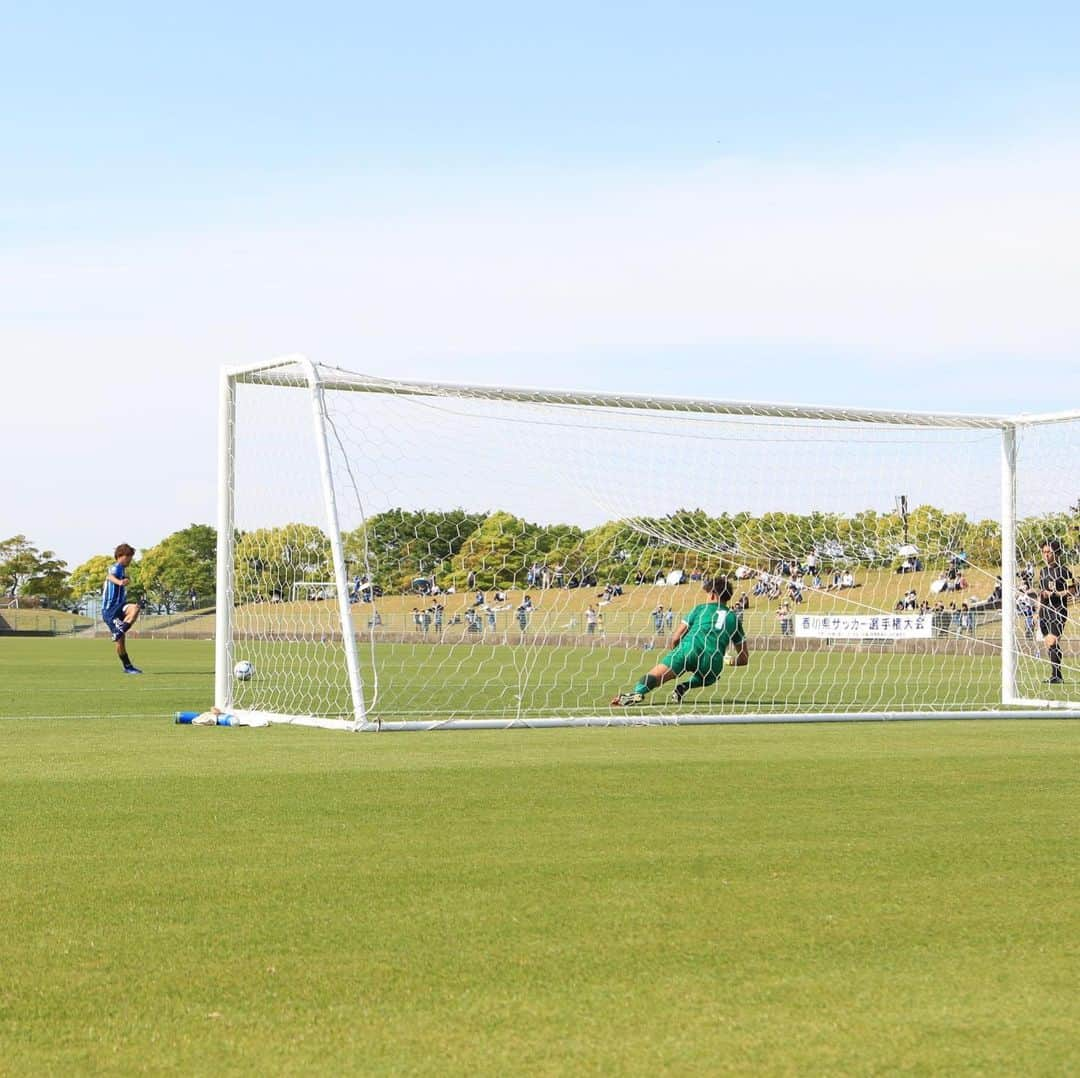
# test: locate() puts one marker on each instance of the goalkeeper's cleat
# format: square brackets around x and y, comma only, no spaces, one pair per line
[678,693]
[1056,680]
[627,699]
[132,670]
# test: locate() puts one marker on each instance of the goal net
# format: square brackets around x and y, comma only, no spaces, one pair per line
[410,555]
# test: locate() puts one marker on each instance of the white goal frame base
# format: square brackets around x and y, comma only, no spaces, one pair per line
[641,718]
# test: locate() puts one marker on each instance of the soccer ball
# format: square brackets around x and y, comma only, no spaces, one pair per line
[243,670]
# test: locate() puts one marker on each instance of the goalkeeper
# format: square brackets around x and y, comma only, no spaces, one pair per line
[697,648]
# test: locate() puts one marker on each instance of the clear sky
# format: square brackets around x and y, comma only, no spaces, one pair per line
[832,203]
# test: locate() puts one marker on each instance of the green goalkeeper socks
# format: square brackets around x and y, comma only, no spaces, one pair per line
[646,684]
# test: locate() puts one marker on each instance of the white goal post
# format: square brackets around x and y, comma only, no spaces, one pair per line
[403,555]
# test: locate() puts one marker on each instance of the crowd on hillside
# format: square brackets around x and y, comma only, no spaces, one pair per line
[792,580]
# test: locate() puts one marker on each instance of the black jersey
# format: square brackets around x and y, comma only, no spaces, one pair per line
[1058,581]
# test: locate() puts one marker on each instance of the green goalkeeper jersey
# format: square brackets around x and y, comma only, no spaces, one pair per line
[712,628]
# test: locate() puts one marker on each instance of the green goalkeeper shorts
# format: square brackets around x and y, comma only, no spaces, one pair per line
[708,663]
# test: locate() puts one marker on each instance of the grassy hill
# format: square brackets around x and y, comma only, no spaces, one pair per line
[557,610]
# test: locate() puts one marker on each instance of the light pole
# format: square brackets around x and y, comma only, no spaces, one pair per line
[902,509]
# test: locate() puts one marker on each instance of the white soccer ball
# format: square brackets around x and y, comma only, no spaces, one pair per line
[243,670]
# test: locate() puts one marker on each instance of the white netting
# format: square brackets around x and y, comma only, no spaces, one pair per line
[1048,508]
[529,557]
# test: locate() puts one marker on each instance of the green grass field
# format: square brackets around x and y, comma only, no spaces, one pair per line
[843,899]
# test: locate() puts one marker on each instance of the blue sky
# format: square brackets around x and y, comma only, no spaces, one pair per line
[850,204]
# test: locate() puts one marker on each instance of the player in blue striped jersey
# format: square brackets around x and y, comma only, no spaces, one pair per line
[119,615]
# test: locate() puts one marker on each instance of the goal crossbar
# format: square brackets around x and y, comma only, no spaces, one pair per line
[276,373]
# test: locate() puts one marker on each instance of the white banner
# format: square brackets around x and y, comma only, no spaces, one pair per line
[864,626]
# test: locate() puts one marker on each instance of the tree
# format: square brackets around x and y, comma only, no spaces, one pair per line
[498,552]
[180,564]
[88,579]
[269,561]
[611,551]
[397,546]
[25,570]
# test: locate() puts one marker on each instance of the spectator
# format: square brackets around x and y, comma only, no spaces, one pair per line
[591,619]
[783,615]
[524,612]
[1025,607]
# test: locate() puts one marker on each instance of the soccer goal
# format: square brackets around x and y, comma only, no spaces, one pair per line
[407,555]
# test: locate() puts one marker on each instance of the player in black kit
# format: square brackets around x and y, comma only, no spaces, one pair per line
[1055,586]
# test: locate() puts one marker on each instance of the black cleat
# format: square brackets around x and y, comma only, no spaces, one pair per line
[678,693]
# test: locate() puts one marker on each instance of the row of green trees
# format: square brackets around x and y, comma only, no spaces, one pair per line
[165,574]
[498,549]
[490,550]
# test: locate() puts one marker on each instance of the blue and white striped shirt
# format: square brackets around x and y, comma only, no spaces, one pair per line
[114,595]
